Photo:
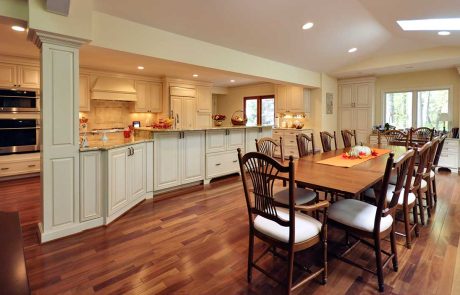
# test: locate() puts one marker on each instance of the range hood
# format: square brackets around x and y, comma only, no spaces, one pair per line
[109,88]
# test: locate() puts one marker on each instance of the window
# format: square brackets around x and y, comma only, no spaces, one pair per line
[260,110]
[420,108]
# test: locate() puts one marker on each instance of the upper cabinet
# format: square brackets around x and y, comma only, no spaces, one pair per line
[289,99]
[149,97]
[204,99]
[12,75]
[356,95]
[84,93]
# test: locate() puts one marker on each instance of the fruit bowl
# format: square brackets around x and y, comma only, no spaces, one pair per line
[239,118]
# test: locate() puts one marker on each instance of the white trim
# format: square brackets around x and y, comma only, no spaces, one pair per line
[64,232]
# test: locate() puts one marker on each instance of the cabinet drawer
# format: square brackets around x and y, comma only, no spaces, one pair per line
[182,91]
[221,164]
[451,144]
[291,151]
[17,168]
[277,134]
[290,141]
[292,133]
[448,160]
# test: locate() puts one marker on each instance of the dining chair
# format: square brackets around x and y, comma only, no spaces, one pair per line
[393,137]
[289,228]
[429,175]
[303,143]
[420,186]
[365,221]
[348,136]
[270,147]
[407,200]
[326,140]
[435,165]
[421,135]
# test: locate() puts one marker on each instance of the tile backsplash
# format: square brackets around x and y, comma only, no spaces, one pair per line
[115,114]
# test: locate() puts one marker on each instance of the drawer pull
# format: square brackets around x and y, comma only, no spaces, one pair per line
[234,161]
[31,165]
[5,168]
[218,164]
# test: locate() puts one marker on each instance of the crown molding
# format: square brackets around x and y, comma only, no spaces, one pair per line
[39,37]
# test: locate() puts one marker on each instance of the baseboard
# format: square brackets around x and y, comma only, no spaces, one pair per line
[69,230]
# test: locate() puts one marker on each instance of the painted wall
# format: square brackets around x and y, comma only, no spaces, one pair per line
[17,9]
[418,80]
[233,101]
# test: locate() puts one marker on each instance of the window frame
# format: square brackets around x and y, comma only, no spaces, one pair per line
[415,91]
[259,105]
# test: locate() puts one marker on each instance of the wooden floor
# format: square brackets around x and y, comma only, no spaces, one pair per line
[196,243]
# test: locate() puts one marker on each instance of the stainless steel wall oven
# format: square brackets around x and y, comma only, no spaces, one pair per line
[19,101]
[19,135]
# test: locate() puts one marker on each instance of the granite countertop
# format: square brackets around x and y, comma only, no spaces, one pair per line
[99,145]
[199,129]
[291,128]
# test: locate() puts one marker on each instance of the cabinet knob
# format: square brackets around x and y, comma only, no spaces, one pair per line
[218,164]
[32,165]
[234,161]
[5,168]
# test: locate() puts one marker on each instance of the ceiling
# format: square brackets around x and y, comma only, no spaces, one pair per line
[272,28]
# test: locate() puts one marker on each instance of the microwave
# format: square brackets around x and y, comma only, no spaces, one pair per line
[19,101]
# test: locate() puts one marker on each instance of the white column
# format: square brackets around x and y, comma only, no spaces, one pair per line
[59,134]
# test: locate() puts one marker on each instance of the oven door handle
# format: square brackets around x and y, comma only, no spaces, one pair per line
[20,128]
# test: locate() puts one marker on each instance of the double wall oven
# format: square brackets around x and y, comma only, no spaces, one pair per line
[19,121]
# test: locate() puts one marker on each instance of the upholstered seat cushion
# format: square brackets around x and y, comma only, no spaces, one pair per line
[410,198]
[424,171]
[423,184]
[301,196]
[306,227]
[357,214]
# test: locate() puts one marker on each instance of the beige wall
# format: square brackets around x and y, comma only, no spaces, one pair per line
[233,101]
[418,80]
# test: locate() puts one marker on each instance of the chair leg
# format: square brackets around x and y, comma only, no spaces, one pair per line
[420,206]
[393,248]
[428,198]
[324,279]
[435,193]
[290,270]
[378,258]
[414,211]
[250,256]
[407,226]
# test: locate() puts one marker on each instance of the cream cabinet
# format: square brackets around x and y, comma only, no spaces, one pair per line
[178,158]
[90,186]
[22,76]
[253,133]
[204,99]
[149,97]
[449,157]
[183,110]
[19,164]
[356,95]
[126,179]
[289,99]
[84,93]
[290,140]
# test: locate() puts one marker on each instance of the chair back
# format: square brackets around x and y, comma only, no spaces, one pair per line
[439,150]
[326,140]
[422,157]
[270,146]
[404,169]
[394,137]
[432,155]
[348,136]
[455,132]
[381,199]
[263,170]
[421,135]
[303,143]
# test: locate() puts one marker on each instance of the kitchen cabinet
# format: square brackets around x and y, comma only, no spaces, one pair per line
[183,110]
[149,97]
[356,95]
[359,119]
[221,151]
[256,133]
[178,158]
[149,157]
[19,164]
[289,99]
[90,186]
[84,93]
[449,157]
[204,99]
[21,76]
[290,140]
[126,177]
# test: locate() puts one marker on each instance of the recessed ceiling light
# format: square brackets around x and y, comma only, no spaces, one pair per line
[307,26]
[18,28]
[232,81]
[443,33]
[352,49]
[434,24]
[140,67]
[195,75]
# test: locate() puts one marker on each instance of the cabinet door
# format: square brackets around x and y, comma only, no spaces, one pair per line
[186,91]
[84,93]
[149,160]
[216,141]
[235,139]
[143,96]
[251,135]
[362,118]
[90,185]
[156,97]
[166,160]
[29,77]
[266,132]
[362,95]
[8,75]
[346,95]
[203,120]
[193,155]
[346,118]
[137,172]
[118,180]
[280,99]
[176,110]
[188,112]
[204,99]
[295,101]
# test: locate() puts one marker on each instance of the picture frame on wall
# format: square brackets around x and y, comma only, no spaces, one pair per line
[329,103]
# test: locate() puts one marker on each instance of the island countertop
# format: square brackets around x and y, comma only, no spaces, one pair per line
[95,145]
[200,129]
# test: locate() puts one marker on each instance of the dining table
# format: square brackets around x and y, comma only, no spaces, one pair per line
[349,181]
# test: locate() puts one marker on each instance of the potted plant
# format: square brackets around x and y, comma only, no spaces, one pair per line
[218,119]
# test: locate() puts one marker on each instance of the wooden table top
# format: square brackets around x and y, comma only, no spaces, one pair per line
[352,181]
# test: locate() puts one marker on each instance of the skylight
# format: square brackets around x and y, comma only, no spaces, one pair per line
[434,24]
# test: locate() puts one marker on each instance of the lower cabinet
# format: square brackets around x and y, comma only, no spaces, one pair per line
[220,164]
[178,158]
[90,186]
[256,133]
[290,140]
